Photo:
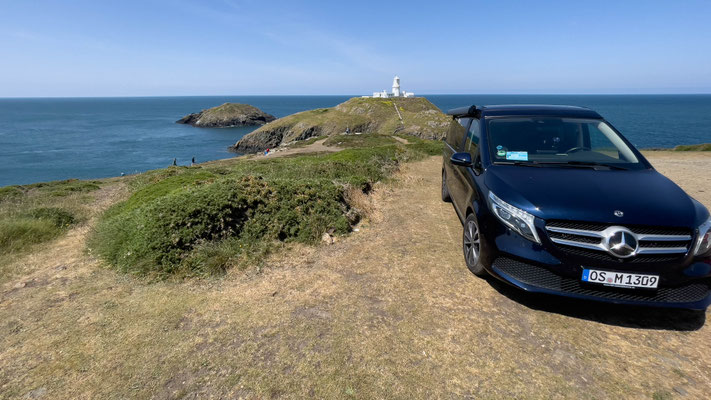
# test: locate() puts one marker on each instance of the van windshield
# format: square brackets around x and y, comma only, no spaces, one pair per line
[546,140]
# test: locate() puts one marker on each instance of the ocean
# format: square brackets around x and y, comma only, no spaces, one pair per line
[43,139]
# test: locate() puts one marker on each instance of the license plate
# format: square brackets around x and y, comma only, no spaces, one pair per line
[620,279]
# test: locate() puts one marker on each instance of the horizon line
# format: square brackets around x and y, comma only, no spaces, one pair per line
[354,95]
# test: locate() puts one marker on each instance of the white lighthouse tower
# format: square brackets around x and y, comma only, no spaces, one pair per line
[396,86]
[396,92]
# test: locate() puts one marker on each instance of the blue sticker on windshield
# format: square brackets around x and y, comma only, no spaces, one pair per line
[517,155]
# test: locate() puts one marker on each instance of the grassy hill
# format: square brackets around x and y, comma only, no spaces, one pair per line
[409,116]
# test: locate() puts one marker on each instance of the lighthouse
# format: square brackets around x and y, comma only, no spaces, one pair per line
[396,92]
[396,86]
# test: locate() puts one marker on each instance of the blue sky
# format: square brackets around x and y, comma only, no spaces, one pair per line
[233,47]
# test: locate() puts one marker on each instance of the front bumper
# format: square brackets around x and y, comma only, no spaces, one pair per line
[690,295]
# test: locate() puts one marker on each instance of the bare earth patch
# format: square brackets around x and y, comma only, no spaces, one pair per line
[388,312]
[315,147]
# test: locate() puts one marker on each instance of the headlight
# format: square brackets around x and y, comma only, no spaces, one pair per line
[703,243]
[516,219]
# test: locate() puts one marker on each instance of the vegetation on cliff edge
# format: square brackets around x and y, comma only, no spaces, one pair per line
[33,214]
[693,147]
[206,219]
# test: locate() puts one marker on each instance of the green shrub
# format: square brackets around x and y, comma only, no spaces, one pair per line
[204,220]
[56,216]
[428,147]
[55,188]
[66,187]
[10,192]
[693,147]
[157,238]
[17,232]
[156,184]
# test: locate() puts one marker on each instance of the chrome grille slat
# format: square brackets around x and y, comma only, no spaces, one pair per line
[661,250]
[584,245]
[579,232]
[663,238]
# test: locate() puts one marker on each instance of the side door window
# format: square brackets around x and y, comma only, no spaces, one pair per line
[457,132]
[471,145]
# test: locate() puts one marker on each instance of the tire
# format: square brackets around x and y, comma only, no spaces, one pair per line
[445,191]
[471,246]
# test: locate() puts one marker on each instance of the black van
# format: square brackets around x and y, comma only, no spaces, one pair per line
[553,199]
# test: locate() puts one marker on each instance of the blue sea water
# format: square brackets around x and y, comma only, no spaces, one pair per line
[44,139]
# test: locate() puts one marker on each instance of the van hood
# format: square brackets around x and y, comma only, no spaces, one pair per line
[646,197]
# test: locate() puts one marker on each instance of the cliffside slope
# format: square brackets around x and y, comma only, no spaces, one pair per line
[411,116]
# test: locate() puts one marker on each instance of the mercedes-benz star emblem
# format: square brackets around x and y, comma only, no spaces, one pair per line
[621,242]
[619,213]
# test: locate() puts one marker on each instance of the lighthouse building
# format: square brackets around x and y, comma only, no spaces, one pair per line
[396,91]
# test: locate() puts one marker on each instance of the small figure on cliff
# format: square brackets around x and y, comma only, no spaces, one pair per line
[192,163]
[348,130]
[175,162]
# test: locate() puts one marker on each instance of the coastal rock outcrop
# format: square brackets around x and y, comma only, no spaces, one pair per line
[409,116]
[227,115]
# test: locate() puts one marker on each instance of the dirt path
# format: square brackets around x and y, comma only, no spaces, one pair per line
[315,147]
[389,312]
[401,140]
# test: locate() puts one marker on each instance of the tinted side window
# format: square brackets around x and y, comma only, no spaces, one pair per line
[457,131]
[473,135]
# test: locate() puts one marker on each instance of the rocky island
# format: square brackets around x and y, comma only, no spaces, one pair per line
[410,116]
[227,115]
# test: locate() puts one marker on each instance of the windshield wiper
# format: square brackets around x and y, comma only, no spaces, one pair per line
[585,164]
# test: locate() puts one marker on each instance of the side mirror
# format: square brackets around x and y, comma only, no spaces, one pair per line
[461,159]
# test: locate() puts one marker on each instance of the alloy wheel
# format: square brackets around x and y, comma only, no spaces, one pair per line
[471,243]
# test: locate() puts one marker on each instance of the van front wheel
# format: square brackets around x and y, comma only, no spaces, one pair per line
[471,245]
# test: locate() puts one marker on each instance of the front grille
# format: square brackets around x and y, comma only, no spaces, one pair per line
[604,256]
[543,278]
[586,239]
[638,229]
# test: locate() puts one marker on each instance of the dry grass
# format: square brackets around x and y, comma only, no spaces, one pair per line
[388,312]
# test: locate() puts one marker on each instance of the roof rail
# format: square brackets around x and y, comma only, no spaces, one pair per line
[461,112]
